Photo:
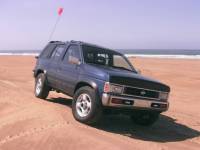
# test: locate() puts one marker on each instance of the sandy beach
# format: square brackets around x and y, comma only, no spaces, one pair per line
[28,123]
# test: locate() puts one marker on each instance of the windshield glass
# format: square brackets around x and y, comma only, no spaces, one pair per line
[100,56]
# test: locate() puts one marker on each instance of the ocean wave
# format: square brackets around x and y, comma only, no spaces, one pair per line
[127,55]
[165,56]
[19,54]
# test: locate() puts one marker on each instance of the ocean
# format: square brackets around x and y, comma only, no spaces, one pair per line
[150,53]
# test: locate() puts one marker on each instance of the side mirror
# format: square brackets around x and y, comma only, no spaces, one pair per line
[139,71]
[36,57]
[74,60]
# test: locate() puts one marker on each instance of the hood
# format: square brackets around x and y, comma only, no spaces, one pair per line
[96,71]
[124,77]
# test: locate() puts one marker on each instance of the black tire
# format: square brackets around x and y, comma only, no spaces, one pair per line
[43,90]
[95,112]
[145,118]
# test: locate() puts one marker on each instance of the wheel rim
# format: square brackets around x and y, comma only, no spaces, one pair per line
[83,105]
[38,86]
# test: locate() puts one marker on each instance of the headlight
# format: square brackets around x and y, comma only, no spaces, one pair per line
[163,96]
[116,89]
[110,88]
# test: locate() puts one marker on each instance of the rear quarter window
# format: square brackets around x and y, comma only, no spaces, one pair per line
[47,51]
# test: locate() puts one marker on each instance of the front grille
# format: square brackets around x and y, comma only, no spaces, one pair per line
[142,83]
[141,92]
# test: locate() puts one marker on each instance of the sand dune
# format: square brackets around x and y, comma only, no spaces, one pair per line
[30,123]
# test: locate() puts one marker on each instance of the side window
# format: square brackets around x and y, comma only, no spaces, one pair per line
[47,51]
[73,51]
[58,52]
[89,57]
[118,61]
[102,59]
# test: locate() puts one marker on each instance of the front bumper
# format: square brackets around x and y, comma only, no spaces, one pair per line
[134,103]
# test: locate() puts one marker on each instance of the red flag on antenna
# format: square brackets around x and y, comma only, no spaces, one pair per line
[60,11]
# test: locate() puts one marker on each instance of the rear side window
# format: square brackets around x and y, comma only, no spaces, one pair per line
[73,51]
[47,51]
[58,52]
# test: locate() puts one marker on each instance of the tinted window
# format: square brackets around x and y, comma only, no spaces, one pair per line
[97,56]
[57,52]
[105,57]
[47,51]
[119,61]
[73,51]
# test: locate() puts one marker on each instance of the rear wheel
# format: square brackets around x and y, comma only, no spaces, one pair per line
[41,87]
[86,106]
[145,118]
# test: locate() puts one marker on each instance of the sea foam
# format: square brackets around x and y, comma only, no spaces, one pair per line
[127,55]
[164,56]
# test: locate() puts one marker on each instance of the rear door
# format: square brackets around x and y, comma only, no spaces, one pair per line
[53,66]
[68,72]
[44,60]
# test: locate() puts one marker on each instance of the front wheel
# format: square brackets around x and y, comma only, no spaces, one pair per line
[145,118]
[86,106]
[41,87]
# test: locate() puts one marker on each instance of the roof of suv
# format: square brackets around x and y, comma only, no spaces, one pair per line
[83,43]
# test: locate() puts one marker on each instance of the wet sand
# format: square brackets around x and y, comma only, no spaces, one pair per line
[30,123]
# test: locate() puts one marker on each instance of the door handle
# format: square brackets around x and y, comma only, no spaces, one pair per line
[77,66]
[58,70]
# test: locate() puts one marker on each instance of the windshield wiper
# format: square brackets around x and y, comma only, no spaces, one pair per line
[123,68]
[118,67]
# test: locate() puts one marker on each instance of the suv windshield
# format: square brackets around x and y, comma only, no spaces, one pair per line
[100,56]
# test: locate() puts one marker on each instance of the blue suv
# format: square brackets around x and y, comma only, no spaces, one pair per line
[100,80]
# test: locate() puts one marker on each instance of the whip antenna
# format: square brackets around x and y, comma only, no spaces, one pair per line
[60,11]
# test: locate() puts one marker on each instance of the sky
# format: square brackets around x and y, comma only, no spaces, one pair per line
[117,24]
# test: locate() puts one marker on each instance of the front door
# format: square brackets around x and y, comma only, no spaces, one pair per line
[68,71]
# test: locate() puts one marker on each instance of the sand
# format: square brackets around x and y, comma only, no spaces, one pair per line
[30,123]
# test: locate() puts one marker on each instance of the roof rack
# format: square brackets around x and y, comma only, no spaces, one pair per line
[55,42]
[73,41]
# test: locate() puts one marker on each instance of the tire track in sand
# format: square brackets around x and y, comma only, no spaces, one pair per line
[9,83]
[31,132]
